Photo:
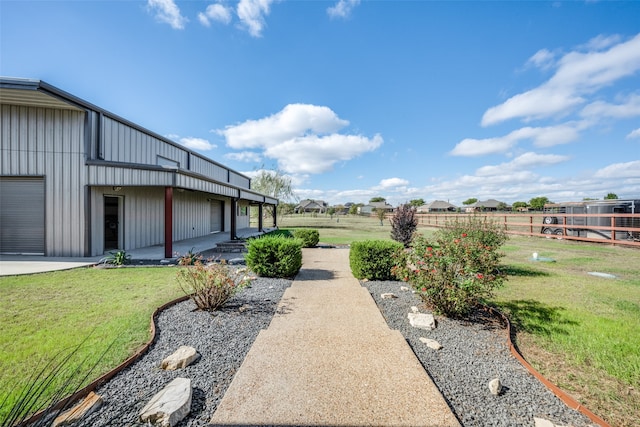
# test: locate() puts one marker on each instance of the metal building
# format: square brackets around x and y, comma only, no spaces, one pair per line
[76,180]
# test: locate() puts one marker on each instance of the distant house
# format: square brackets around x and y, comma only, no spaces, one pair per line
[311,206]
[490,205]
[373,206]
[437,206]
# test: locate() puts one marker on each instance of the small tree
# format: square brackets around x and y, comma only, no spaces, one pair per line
[611,196]
[331,211]
[519,205]
[417,202]
[353,210]
[404,224]
[470,201]
[537,203]
[377,199]
[380,214]
[273,183]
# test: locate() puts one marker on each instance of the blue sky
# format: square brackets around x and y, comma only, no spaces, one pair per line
[358,99]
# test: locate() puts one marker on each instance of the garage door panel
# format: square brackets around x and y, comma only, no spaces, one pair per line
[22,215]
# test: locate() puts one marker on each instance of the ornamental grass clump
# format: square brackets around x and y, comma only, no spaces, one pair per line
[211,286]
[456,271]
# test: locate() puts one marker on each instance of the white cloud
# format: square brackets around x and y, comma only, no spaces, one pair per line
[245,156]
[302,138]
[543,59]
[524,161]
[216,12]
[629,108]
[342,9]
[293,121]
[634,134]
[315,154]
[578,74]
[602,42]
[392,183]
[252,13]
[540,136]
[620,170]
[197,143]
[168,12]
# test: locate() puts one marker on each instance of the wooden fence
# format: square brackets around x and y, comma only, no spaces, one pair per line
[615,229]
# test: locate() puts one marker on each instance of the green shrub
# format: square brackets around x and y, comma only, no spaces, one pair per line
[373,259]
[457,270]
[211,286]
[309,237]
[274,256]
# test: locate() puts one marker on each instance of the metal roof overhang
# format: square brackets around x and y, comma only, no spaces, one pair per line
[29,93]
[162,176]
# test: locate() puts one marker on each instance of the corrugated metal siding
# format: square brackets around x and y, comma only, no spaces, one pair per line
[209,169]
[239,180]
[107,175]
[191,215]
[122,143]
[185,181]
[50,143]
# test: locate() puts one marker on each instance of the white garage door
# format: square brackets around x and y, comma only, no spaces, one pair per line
[22,215]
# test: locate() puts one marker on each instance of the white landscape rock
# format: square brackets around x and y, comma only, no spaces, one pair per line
[414,309]
[431,343]
[169,406]
[541,422]
[495,387]
[404,288]
[422,321]
[181,358]
[388,295]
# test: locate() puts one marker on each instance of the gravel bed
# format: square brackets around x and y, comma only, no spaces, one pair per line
[222,339]
[472,354]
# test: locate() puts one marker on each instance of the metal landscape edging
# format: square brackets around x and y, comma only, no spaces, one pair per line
[560,394]
[82,393]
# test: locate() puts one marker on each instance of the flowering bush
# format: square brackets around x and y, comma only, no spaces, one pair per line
[211,286]
[458,269]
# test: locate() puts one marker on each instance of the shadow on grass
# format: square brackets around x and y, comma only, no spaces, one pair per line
[536,318]
[521,271]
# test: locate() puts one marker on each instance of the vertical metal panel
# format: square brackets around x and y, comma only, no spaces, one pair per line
[50,143]
[191,211]
[239,180]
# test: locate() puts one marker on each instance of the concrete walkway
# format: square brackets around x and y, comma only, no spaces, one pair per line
[11,265]
[328,358]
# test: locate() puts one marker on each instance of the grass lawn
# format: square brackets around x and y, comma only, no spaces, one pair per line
[580,331]
[44,314]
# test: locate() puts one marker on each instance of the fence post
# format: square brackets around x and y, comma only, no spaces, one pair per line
[530,224]
[613,232]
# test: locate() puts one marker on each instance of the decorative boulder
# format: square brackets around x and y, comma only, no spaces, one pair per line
[169,406]
[181,358]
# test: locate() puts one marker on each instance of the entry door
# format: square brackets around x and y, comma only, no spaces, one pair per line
[216,216]
[112,223]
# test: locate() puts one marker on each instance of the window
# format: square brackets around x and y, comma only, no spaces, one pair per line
[168,163]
